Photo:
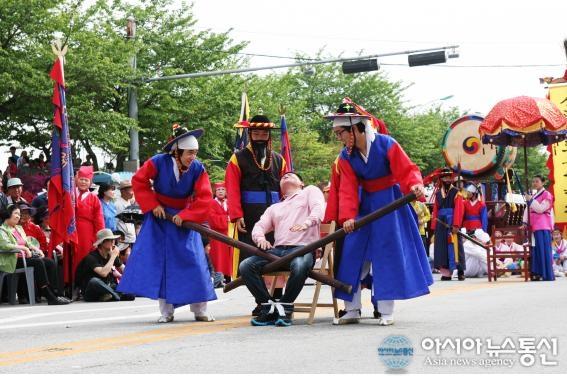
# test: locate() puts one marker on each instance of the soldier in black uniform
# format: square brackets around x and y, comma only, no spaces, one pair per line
[253,179]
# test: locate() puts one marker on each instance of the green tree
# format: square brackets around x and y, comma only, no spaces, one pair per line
[98,74]
[26,30]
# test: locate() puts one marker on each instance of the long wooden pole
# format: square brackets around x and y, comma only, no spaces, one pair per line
[258,252]
[462,234]
[278,264]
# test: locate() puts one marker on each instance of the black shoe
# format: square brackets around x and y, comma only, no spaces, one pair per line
[461,277]
[58,301]
[376,313]
[285,320]
[443,278]
[127,297]
[53,299]
[257,310]
[264,319]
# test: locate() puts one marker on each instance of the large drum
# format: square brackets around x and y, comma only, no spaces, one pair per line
[465,153]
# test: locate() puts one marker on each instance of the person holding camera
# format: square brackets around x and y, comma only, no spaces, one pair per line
[96,272]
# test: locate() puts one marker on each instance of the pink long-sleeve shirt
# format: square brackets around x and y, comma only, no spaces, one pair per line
[303,207]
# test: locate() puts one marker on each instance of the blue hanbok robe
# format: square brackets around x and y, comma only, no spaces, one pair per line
[168,261]
[392,244]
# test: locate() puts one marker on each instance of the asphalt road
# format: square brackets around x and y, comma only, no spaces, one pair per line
[125,338]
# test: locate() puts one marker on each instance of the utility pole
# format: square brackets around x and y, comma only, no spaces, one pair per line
[133,164]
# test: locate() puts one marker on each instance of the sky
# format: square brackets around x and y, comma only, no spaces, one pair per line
[490,33]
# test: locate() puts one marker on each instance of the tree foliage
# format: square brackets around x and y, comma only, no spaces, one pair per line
[98,75]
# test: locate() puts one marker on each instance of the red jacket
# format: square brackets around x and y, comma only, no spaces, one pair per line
[32,229]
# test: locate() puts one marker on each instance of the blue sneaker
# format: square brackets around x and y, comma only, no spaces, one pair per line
[264,319]
[284,321]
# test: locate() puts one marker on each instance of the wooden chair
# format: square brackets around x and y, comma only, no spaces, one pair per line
[326,267]
[493,255]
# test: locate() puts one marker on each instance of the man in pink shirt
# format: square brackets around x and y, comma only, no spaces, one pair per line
[295,222]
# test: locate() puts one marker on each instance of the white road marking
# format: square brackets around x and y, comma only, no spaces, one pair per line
[63,312]
[95,320]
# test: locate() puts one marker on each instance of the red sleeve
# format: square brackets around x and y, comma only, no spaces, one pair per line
[40,236]
[143,192]
[435,211]
[332,209]
[218,220]
[405,171]
[232,182]
[98,218]
[348,192]
[197,209]
[459,211]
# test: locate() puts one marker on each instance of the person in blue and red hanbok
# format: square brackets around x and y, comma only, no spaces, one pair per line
[541,225]
[448,207]
[168,262]
[375,171]
[475,214]
[220,253]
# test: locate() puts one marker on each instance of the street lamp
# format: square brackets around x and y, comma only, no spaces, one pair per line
[132,164]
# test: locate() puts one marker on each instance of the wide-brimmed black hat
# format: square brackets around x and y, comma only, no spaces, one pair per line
[346,110]
[180,133]
[131,214]
[259,121]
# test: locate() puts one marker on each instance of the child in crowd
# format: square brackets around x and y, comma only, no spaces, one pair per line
[559,247]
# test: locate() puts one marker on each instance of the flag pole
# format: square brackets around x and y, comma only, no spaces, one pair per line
[59,50]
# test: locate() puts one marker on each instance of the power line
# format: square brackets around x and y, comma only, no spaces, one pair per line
[481,65]
[261,55]
[342,37]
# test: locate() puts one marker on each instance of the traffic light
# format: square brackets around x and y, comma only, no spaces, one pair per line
[425,59]
[356,66]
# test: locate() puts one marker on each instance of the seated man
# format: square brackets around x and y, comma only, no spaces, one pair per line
[295,222]
[95,276]
[475,255]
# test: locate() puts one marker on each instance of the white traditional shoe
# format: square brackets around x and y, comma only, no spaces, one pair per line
[204,317]
[351,317]
[165,319]
[385,322]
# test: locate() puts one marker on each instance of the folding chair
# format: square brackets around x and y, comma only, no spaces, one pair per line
[327,262]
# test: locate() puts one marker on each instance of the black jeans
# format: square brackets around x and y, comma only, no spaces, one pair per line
[251,268]
[96,288]
[44,270]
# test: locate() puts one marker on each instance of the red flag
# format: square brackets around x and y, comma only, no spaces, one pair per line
[285,145]
[61,191]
